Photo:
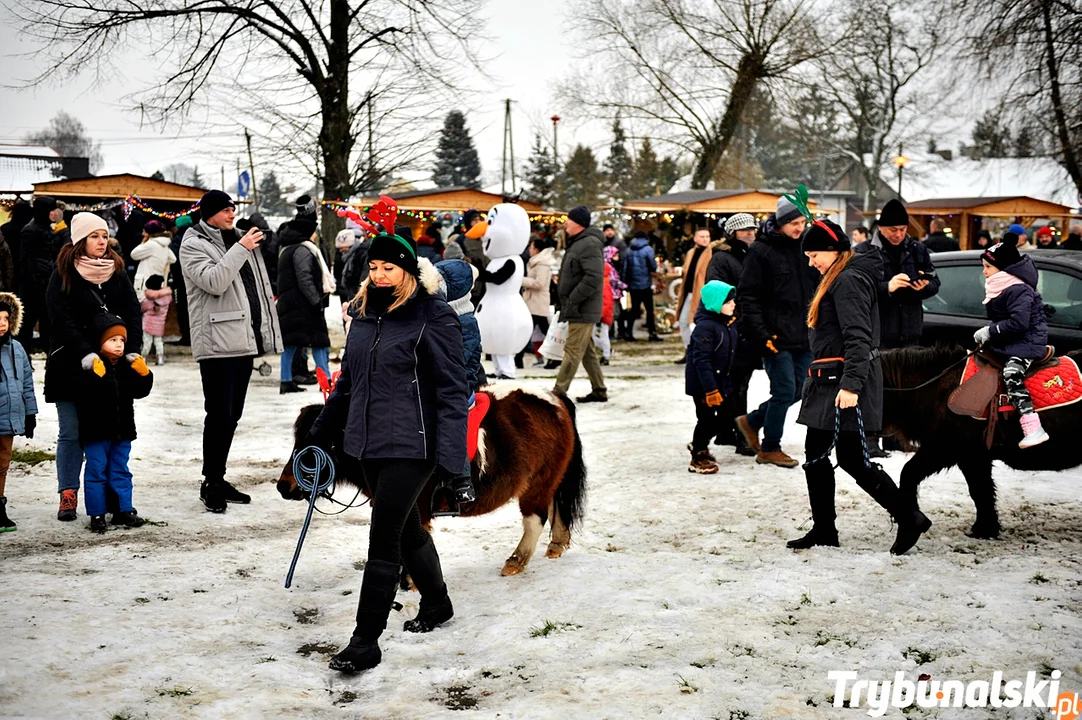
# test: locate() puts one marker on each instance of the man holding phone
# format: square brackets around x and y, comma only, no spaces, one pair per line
[233,321]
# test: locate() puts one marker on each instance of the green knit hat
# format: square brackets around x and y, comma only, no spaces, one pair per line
[715,294]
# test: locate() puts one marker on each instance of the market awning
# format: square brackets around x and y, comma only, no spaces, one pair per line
[718,202]
[120,187]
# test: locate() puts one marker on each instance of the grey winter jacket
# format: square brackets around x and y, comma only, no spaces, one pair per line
[217,302]
[582,275]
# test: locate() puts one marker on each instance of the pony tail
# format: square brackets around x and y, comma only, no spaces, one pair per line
[824,285]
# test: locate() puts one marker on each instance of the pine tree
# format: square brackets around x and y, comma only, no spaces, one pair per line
[271,200]
[618,166]
[457,163]
[541,175]
[158,176]
[582,179]
[990,139]
[668,174]
[195,180]
[646,174]
[1025,142]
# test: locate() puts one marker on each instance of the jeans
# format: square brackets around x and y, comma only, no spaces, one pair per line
[579,349]
[225,387]
[69,453]
[786,370]
[107,465]
[322,356]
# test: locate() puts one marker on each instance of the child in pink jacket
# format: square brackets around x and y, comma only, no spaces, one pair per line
[155,307]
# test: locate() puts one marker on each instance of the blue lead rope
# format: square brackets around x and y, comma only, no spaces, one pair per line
[834,441]
[313,476]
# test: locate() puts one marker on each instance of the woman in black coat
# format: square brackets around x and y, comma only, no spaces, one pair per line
[402,398]
[301,300]
[845,382]
[89,279]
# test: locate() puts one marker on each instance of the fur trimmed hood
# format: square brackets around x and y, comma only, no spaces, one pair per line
[12,301]
[428,275]
[722,245]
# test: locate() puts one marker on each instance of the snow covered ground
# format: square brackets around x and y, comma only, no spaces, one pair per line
[678,598]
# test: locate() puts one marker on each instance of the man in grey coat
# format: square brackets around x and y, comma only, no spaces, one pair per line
[233,321]
[582,279]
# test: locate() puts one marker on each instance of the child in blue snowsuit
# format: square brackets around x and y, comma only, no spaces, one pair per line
[706,376]
[458,277]
[19,414]
[1018,333]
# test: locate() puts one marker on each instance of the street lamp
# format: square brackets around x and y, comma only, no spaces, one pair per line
[901,161]
[555,156]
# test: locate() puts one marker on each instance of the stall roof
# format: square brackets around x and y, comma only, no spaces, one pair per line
[1005,206]
[451,199]
[712,201]
[23,165]
[120,186]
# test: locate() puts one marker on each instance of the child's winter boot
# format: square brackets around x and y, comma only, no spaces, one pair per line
[98,524]
[702,464]
[6,523]
[129,519]
[1034,433]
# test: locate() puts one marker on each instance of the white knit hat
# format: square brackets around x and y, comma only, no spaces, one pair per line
[85,223]
[344,239]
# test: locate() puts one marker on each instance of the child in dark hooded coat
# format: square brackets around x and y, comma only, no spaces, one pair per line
[711,353]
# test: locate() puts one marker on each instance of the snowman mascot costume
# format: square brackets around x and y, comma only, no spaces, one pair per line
[503,318]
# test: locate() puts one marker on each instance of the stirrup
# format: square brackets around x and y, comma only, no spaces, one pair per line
[444,503]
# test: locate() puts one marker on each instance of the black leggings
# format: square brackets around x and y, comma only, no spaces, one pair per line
[710,421]
[396,522]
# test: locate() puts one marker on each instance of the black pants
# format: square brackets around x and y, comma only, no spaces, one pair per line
[180,297]
[820,476]
[396,522]
[540,322]
[225,387]
[644,298]
[709,421]
[35,312]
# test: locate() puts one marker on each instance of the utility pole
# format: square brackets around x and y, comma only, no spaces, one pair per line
[251,170]
[508,149]
[223,178]
[555,155]
[371,161]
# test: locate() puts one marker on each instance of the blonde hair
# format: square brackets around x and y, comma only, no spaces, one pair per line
[829,277]
[402,292]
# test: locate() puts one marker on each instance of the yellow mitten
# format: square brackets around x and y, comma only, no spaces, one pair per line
[92,363]
[139,365]
[713,398]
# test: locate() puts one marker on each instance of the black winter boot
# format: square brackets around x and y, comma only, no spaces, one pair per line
[820,479]
[424,567]
[912,523]
[98,524]
[378,589]
[289,387]
[211,493]
[129,519]
[232,495]
[6,523]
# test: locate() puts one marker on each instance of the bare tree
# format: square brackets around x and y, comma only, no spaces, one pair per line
[889,80]
[68,136]
[1034,44]
[691,65]
[290,69]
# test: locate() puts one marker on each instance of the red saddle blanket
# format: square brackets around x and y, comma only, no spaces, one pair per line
[1050,387]
[481,403]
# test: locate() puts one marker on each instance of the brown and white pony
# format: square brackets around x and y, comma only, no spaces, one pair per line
[528,448]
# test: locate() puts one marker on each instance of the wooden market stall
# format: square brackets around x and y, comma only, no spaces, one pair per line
[119,187]
[710,203]
[417,208]
[966,216]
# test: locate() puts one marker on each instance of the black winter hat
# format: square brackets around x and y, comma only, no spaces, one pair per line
[44,203]
[580,214]
[107,325]
[469,216]
[398,249]
[824,235]
[306,208]
[894,214]
[1002,255]
[213,202]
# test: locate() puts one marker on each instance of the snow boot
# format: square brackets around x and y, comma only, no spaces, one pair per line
[424,568]
[378,589]
[1035,434]
[776,457]
[654,337]
[305,379]
[552,364]
[816,537]
[750,434]
[232,495]
[289,387]
[911,525]
[6,523]
[98,524]
[820,480]
[129,519]
[707,454]
[212,495]
[69,504]
[702,464]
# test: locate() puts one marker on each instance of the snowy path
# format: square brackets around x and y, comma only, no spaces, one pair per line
[677,599]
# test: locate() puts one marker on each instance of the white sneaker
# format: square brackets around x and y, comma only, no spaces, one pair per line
[1033,439]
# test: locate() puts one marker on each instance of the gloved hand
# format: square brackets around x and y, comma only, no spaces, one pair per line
[713,398]
[982,335]
[770,344]
[138,364]
[31,423]
[92,363]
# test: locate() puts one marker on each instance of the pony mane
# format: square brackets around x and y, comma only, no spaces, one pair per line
[911,366]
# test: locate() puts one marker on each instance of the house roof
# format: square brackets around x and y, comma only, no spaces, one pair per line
[450,199]
[1006,206]
[929,176]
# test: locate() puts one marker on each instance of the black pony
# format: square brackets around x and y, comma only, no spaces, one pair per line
[917,383]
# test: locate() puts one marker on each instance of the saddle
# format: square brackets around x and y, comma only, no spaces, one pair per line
[1051,381]
[478,409]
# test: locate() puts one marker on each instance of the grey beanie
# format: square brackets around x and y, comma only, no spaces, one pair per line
[786,212]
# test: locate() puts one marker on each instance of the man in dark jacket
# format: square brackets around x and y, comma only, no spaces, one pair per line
[268,248]
[582,276]
[21,214]
[39,246]
[776,286]
[300,300]
[909,277]
[727,262]
[176,281]
[638,271]
[937,239]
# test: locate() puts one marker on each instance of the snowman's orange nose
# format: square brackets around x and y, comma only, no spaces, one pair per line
[477,231]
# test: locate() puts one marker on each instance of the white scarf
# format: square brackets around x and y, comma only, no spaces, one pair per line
[328,278]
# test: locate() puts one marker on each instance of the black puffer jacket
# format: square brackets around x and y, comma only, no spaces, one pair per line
[776,285]
[582,275]
[848,327]
[900,313]
[39,246]
[73,316]
[727,262]
[300,289]
[106,405]
[403,390]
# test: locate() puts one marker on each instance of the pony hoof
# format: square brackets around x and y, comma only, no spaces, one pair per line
[512,567]
[984,532]
[555,550]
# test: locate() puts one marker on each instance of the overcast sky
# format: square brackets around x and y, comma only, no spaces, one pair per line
[531,45]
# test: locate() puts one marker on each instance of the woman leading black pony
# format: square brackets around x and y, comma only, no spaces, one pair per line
[843,395]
